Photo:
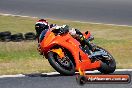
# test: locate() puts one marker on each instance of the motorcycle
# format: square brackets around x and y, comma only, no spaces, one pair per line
[67,55]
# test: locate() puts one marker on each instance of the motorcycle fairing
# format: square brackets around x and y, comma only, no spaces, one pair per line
[68,42]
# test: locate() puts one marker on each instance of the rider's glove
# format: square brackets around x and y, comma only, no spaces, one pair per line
[61,29]
[78,32]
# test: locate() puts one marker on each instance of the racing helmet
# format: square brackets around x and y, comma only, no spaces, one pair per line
[41,25]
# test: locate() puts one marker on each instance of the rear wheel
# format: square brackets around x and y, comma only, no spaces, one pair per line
[64,66]
[108,63]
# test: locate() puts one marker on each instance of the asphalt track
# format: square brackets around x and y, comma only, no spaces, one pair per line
[99,11]
[55,81]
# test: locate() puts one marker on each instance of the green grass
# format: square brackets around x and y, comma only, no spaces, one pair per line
[22,57]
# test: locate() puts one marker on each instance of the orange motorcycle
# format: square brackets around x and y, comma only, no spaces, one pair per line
[67,55]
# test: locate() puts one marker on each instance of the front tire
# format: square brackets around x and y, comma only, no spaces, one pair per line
[53,59]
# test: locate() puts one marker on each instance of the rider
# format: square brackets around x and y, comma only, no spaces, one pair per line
[42,25]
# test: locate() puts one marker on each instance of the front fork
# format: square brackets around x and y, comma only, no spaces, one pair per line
[59,52]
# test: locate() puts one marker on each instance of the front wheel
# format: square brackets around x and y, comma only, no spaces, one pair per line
[108,63]
[63,66]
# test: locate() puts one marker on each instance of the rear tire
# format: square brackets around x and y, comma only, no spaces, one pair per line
[107,66]
[53,60]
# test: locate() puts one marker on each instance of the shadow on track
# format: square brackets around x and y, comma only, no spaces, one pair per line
[51,75]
